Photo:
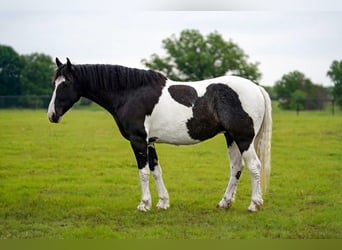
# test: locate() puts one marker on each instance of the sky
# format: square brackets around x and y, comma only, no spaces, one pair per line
[299,35]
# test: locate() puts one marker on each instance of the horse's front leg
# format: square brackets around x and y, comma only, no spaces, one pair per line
[164,202]
[139,147]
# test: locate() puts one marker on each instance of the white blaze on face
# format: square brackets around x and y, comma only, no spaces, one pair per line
[51,110]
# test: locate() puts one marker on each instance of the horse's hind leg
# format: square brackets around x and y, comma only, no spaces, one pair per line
[254,167]
[155,168]
[236,167]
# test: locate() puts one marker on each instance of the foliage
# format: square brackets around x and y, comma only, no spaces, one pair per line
[296,91]
[78,180]
[24,74]
[192,56]
[10,70]
[36,74]
[335,74]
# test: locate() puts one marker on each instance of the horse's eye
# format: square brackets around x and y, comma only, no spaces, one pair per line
[64,85]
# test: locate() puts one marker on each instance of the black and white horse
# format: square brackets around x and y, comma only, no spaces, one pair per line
[149,108]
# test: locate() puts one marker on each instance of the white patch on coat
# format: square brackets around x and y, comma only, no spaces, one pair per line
[51,109]
[146,201]
[163,202]
[168,120]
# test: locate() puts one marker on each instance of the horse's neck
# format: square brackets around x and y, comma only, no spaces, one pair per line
[110,101]
[104,98]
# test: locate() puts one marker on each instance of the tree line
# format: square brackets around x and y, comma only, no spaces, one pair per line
[190,56]
[25,78]
[25,74]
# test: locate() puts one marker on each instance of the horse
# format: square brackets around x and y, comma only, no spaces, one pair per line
[149,108]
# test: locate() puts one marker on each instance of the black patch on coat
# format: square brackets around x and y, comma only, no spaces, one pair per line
[183,94]
[128,94]
[229,139]
[220,110]
[152,158]
[238,174]
[152,139]
[205,122]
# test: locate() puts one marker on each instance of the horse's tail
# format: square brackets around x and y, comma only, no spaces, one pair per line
[263,141]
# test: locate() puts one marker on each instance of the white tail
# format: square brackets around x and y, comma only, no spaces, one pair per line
[263,141]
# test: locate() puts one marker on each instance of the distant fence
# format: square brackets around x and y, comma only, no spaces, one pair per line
[42,102]
[31,101]
[307,104]
[25,101]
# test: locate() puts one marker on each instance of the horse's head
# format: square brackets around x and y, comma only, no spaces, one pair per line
[66,91]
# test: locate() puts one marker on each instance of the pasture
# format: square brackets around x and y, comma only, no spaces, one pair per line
[79,180]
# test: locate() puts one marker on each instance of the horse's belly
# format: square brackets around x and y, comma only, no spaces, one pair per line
[176,135]
[170,126]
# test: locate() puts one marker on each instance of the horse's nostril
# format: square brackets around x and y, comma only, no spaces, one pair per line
[53,118]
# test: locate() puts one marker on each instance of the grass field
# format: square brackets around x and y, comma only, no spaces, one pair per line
[78,179]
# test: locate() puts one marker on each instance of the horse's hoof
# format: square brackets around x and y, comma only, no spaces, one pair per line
[163,204]
[255,206]
[253,209]
[224,204]
[144,206]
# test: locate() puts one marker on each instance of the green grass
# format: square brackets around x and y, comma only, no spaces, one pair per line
[78,179]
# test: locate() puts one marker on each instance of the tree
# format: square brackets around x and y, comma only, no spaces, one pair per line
[194,57]
[335,74]
[10,68]
[36,74]
[295,91]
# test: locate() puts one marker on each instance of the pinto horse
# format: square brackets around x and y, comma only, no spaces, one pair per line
[149,108]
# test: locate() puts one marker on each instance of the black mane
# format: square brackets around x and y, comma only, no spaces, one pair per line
[115,77]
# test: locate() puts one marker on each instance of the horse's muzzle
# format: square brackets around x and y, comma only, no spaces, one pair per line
[54,118]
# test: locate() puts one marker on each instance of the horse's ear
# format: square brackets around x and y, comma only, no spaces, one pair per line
[70,67]
[58,62]
[68,64]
